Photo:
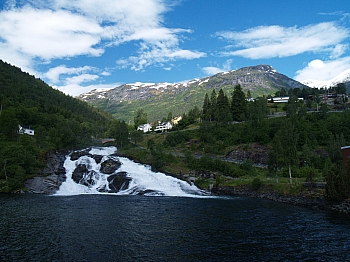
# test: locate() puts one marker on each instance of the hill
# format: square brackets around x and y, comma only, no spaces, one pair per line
[157,100]
[59,122]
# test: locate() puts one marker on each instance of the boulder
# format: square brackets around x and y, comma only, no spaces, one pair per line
[79,173]
[118,181]
[110,166]
[97,158]
[77,154]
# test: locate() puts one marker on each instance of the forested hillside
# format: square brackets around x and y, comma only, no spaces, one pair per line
[59,122]
[299,142]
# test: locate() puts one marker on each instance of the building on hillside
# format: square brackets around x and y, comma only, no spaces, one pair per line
[145,128]
[163,126]
[23,130]
[176,120]
[284,99]
[280,99]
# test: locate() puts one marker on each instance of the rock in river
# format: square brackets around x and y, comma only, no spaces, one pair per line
[118,181]
[110,166]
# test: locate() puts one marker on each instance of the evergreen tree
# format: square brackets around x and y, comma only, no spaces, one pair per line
[223,108]
[206,108]
[238,104]
[257,110]
[170,117]
[213,106]
[249,95]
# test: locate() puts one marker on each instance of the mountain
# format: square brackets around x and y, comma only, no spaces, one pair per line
[159,99]
[343,77]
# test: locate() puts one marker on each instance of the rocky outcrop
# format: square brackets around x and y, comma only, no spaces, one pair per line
[110,166]
[118,181]
[77,154]
[343,207]
[51,176]
[256,153]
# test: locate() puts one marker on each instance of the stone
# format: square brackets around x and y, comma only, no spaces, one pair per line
[79,172]
[110,166]
[98,158]
[118,181]
[77,154]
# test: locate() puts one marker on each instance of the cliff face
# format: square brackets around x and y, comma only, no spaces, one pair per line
[51,177]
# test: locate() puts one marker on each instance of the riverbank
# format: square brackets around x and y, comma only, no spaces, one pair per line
[313,198]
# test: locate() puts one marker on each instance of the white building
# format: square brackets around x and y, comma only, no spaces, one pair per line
[22,130]
[284,99]
[280,99]
[145,128]
[163,126]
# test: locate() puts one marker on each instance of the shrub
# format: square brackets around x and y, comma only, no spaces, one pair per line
[256,183]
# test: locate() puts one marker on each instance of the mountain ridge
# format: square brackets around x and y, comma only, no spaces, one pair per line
[343,77]
[158,99]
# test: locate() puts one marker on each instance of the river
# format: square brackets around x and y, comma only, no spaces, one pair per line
[158,228]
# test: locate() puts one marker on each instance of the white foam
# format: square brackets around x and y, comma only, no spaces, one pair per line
[143,179]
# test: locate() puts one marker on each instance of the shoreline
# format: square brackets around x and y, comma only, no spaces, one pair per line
[310,198]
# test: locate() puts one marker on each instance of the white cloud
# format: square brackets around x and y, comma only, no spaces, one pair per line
[77,80]
[276,41]
[54,73]
[212,70]
[76,89]
[61,29]
[338,50]
[49,34]
[323,70]
[157,53]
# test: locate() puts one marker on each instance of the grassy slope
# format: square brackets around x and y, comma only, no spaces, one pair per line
[159,107]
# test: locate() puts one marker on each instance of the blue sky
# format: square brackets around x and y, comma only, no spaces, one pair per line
[80,45]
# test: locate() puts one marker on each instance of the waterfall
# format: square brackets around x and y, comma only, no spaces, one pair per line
[99,171]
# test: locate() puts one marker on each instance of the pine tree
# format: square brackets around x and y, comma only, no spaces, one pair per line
[213,106]
[238,104]
[223,108]
[206,108]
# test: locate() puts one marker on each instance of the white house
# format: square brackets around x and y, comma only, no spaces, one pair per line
[145,128]
[163,126]
[284,99]
[22,130]
[280,99]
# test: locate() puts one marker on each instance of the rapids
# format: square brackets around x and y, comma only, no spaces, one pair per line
[143,181]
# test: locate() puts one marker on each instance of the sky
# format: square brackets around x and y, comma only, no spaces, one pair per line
[80,45]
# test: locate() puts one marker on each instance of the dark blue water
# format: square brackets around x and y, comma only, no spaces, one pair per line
[140,228]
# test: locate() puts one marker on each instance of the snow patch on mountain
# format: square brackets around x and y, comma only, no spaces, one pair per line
[341,78]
